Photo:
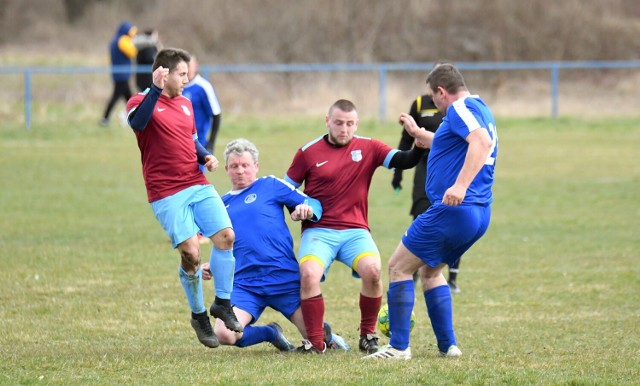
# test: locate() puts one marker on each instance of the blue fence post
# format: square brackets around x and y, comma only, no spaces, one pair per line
[27,98]
[382,94]
[554,90]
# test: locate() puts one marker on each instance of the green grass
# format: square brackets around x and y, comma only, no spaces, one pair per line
[90,294]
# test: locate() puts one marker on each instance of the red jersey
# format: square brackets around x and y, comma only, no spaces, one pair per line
[339,177]
[167,148]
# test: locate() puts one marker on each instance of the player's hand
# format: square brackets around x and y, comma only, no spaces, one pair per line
[409,124]
[206,271]
[211,163]
[160,76]
[454,195]
[396,181]
[302,212]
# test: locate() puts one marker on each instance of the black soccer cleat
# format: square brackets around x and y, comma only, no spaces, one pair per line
[204,332]
[308,348]
[226,314]
[369,343]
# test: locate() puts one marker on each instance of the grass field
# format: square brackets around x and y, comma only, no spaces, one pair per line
[90,294]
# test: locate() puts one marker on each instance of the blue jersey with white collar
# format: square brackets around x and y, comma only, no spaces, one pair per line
[263,245]
[449,150]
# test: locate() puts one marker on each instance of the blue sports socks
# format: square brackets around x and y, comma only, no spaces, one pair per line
[256,334]
[192,285]
[400,298]
[440,311]
[222,265]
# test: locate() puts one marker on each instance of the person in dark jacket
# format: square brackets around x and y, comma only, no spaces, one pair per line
[148,45]
[122,51]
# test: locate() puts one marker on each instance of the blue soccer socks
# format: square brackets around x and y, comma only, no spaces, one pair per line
[192,285]
[400,298]
[440,311]
[222,265]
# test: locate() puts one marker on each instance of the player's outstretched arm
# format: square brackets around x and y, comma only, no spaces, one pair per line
[423,137]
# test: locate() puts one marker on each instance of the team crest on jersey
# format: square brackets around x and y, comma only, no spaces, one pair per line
[186,110]
[250,198]
[356,155]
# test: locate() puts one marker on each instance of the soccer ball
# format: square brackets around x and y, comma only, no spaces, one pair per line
[383,320]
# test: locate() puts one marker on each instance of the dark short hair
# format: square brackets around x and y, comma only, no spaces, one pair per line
[447,76]
[344,105]
[170,57]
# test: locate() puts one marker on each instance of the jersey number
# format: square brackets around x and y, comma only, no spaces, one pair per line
[491,159]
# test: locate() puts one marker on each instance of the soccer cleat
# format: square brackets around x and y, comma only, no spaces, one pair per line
[281,342]
[334,341]
[453,286]
[202,326]
[227,315]
[369,343]
[103,122]
[308,348]
[388,352]
[452,352]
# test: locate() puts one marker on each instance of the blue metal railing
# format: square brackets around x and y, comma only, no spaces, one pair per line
[381,68]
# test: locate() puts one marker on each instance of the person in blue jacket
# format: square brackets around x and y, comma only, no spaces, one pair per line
[123,51]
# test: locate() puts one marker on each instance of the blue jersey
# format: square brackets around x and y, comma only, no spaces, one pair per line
[205,105]
[449,150]
[263,245]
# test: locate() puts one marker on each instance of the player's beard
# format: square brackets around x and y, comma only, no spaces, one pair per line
[339,142]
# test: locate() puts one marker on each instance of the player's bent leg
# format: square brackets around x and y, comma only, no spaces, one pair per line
[225,336]
[402,264]
[224,239]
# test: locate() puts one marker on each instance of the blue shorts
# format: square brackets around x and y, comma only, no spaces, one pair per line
[347,246]
[195,209]
[444,233]
[254,299]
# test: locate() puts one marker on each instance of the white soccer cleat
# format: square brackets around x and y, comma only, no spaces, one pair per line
[452,352]
[388,352]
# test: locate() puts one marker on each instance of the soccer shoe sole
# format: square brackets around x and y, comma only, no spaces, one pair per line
[230,321]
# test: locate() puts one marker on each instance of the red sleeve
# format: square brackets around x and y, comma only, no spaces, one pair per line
[298,170]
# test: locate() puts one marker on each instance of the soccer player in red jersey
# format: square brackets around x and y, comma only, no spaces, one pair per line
[337,169]
[182,199]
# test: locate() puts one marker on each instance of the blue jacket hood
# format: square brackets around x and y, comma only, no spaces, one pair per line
[124,28]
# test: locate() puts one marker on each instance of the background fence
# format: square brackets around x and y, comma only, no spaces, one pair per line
[382,71]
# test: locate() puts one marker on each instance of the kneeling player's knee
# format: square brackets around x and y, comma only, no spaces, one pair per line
[225,336]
